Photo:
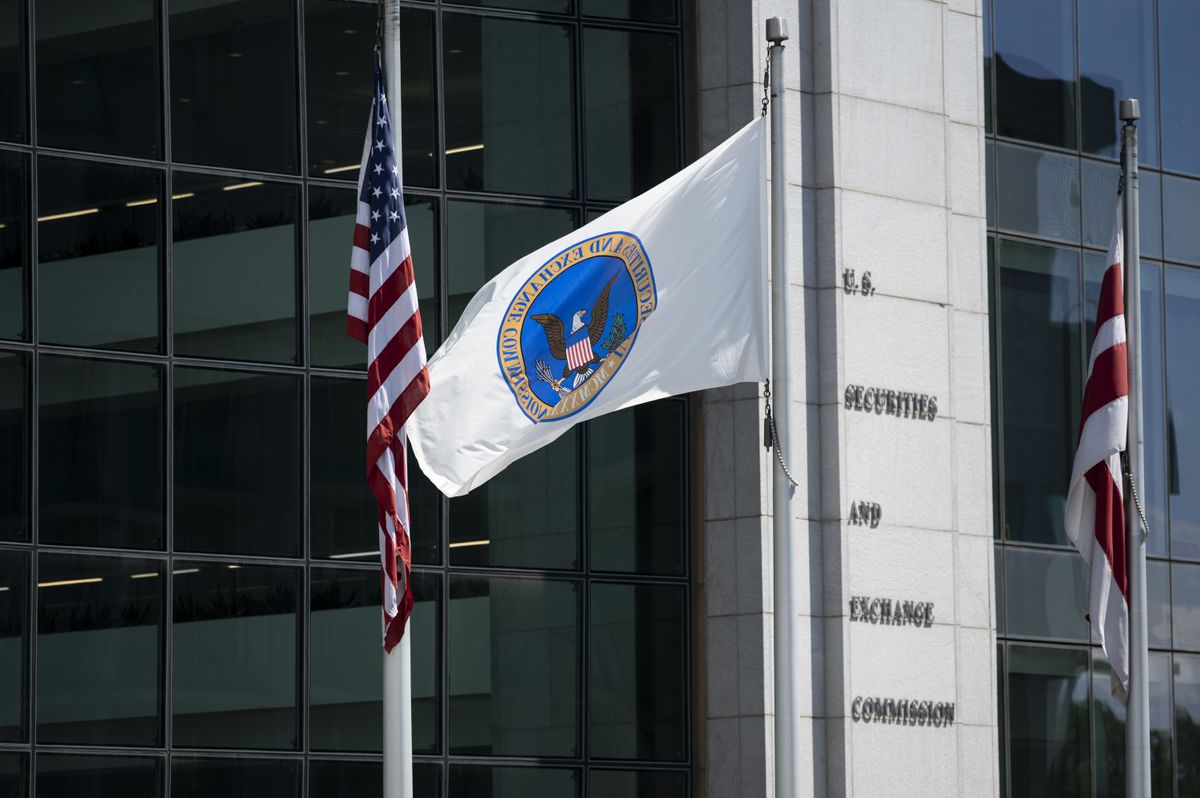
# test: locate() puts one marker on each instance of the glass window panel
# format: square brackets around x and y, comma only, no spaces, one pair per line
[13,89]
[1179,62]
[1048,722]
[1035,71]
[1187,724]
[1038,192]
[98,234]
[343,521]
[14,447]
[98,76]
[1183,410]
[99,650]
[637,644]
[234,60]
[331,214]
[1002,718]
[83,776]
[468,781]
[237,462]
[509,106]
[1181,238]
[340,778]
[260,778]
[1108,722]
[505,523]
[234,268]
[483,239]
[1046,594]
[637,784]
[1117,60]
[989,149]
[345,669]
[513,654]
[545,6]
[989,58]
[636,482]
[14,618]
[235,647]
[1001,602]
[1100,198]
[340,81]
[100,453]
[1150,209]
[13,779]
[1041,375]
[14,238]
[1153,491]
[639,10]
[1185,595]
[1158,603]
[631,111]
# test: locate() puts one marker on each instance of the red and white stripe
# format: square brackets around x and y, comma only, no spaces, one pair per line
[382,312]
[1095,517]
[580,354]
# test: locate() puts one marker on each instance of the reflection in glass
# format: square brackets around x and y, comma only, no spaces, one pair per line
[98,650]
[1117,60]
[508,103]
[989,149]
[546,6]
[340,81]
[636,474]
[14,618]
[1185,598]
[1109,728]
[1046,594]
[1179,63]
[484,238]
[235,657]
[331,214]
[468,781]
[237,462]
[343,521]
[234,60]
[234,268]
[1041,375]
[260,778]
[1100,198]
[989,59]
[98,76]
[12,70]
[14,237]
[1183,410]
[13,770]
[1153,491]
[340,778]
[1187,723]
[637,658]
[637,784]
[639,10]
[1035,71]
[86,776]
[98,233]
[1048,722]
[14,448]
[345,669]
[1181,236]
[1158,603]
[100,453]
[503,522]
[513,657]
[1038,192]
[631,111]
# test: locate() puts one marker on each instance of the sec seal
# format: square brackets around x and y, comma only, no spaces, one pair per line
[571,325]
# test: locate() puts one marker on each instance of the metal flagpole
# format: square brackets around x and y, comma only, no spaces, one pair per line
[1137,718]
[397,666]
[787,682]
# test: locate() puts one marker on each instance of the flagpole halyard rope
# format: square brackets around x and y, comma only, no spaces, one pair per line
[1137,499]
[772,437]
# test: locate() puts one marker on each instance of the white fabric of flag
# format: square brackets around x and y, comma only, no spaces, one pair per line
[664,295]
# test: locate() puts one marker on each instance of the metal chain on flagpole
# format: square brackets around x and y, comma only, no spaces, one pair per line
[1137,499]
[772,437]
[766,99]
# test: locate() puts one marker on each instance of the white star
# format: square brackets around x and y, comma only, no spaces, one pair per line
[374,238]
[377,168]
[383,121]
[374,216]
[375,192]
[379,144]
[395,193]
[393,216]
[395,169]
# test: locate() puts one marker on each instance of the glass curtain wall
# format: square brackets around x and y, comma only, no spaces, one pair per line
[1054,73]
[189,589]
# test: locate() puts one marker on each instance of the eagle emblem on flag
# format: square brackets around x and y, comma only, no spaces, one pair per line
[586,305]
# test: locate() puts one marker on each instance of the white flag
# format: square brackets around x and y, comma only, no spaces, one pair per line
[664,295]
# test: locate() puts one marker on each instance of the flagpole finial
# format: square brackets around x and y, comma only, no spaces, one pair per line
[777,30]
[1130,111]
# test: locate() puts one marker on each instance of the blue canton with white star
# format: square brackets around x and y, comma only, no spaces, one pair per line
[381,188]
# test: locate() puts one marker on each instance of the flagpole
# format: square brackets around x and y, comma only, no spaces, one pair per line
[787,738]
[1137,719]
[397,666]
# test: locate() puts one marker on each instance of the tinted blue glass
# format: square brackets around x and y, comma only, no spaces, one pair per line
[637,784]
[80,776]
[1179,63]
[468,781]
[13,778]
[1181,234]
[1058,606]
[1035,71]
[1183,409]
[641,10]
[1187,723]
[989,58]
[1049,735]
[1117,60]
[1185,595]
[1108,722]
[1101,203]
[340,778]
[1037,192]
[234,778]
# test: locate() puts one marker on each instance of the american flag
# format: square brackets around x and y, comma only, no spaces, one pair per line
[1095,518]
[382,312]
